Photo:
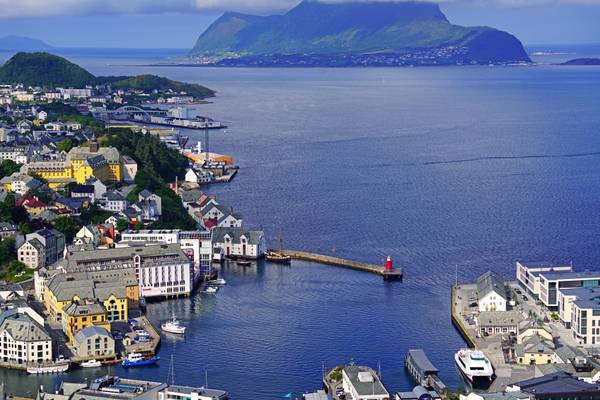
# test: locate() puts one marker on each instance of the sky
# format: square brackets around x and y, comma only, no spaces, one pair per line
[177,23]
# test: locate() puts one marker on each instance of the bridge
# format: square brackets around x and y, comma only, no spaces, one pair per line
[129,112]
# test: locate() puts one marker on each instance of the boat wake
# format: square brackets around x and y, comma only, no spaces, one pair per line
[532,156]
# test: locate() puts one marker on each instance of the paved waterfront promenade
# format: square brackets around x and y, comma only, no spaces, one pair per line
[462,296]
[340,262]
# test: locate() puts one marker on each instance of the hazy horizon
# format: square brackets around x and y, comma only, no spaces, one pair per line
[146,24]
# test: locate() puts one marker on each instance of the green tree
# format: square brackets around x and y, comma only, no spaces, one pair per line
[9,167]
[7,250]
[122,225]
[67,226]
[64,145]
[24,228]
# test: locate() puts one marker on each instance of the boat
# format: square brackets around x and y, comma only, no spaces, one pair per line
[243,263]
[90,364]
[217,282]
[173,326]
[57,367]
[138,360]
[277,257]
[474,365]
[210,290]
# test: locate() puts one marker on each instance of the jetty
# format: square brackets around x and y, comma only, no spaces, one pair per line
[423,372]
[388,272]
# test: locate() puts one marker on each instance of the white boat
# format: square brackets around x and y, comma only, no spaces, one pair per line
[52,368]
[173,326]
[210,290]
[90,364]
[473,364]
[218,282]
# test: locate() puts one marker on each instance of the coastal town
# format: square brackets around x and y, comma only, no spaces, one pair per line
[103,210]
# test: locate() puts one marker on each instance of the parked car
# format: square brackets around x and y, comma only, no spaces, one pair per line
[474,304]
[525,298]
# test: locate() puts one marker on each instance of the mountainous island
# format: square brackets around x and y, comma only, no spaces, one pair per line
[21,43]
[49,70]
[582,61]
[366,33]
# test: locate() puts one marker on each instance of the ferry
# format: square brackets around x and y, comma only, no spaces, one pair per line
[90,364]
[474,365]
[138,360]
[173,326]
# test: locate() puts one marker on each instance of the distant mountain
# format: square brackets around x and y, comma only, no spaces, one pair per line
[49,70]
[366,32]
[21,43]
[583,61]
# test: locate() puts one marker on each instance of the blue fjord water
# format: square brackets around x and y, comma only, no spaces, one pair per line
[445,169]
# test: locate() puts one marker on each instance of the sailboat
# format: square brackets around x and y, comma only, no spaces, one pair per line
[278,256]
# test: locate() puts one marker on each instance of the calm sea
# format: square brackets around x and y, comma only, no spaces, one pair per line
[445,169]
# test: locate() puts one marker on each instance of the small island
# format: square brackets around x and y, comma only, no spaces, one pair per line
[583,61]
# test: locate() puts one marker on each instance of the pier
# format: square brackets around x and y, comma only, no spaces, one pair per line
[423,372]
[387,272]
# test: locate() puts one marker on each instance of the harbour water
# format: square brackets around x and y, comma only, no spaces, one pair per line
[452,171]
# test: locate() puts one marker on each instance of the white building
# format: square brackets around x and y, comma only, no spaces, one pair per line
[75,93]
[491,292]
[42,115]
[32,253]
[16,154]
[20,183]
[362,383]
[23,339]
[579,310]
[237,242]
[528,274]
[166,274]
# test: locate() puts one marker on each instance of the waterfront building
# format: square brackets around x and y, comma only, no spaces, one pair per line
[20,183]
[81,314]
[528,274]
[491,292]
[197,245]
[109,290]
[363,383]
[419,367]
[23,338]
[515,395]
[552,282]
[579,310]
[115,388]
[94,342]
[532,327]
[53,242]
[418,393]
[162,270]
[498,322]
[238,242]
[32,253]
[557,386]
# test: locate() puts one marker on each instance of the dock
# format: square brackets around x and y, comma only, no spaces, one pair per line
[386,273]
[423,372]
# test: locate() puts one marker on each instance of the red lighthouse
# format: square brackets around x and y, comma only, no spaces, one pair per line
[388,264]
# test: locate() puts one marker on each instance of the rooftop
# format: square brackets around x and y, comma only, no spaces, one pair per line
[567,275]
[364,380]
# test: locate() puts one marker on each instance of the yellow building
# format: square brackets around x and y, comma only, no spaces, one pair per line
[56,173]
[102,162]
[535,349]
[63,289]
[82,314]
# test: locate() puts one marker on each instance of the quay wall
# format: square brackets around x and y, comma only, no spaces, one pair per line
[457,321]
[335,261]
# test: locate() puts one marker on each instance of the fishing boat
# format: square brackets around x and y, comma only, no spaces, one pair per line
[474,365]
[57,367]
[173,326]
[90,364]
[244,263]
[138,360]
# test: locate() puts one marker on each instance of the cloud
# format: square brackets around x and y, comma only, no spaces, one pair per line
[41,8]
